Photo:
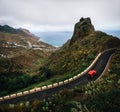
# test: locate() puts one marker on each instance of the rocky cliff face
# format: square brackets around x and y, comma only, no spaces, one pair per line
[83,28]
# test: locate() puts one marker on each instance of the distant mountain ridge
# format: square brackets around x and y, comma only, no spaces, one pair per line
[22,37]
[16,44]
[8,29]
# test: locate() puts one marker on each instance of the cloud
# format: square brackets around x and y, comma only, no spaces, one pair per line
[59,14]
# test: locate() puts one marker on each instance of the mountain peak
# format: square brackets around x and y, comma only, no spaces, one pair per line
[9,29]
[83,28]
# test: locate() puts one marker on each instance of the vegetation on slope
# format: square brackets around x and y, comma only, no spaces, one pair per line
[20,70]
[101,96]
[20,31]
[19,63]
[79,52]
[69,60]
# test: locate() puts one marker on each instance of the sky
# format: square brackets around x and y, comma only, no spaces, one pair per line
[54,20]
[59,15]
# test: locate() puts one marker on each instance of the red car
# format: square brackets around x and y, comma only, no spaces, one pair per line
[91,73]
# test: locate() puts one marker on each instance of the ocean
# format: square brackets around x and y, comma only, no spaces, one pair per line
[58,38]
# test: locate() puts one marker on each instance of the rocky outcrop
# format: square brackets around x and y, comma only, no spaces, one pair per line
[82,29]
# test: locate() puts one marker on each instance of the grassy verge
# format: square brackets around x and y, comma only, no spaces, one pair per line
[52,80]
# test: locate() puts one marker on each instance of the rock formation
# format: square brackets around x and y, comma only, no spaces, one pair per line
[82,28]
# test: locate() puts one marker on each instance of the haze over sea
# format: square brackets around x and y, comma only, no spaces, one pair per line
[58,38]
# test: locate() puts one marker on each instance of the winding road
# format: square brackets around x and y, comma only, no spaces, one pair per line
[100,66]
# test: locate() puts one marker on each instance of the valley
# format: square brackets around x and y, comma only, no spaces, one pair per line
[36,65]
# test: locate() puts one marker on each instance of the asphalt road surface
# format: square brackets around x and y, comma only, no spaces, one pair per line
[99,66]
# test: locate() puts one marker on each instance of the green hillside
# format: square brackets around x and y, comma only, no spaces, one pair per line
[21,55]
[72,58]
[101,96]
[19,70]
[79,52]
